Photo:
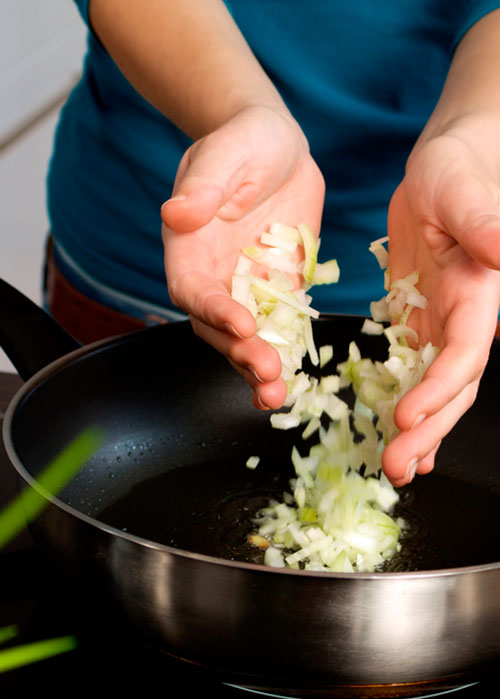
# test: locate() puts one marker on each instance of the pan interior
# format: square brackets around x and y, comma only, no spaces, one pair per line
[180,427]
[208,508]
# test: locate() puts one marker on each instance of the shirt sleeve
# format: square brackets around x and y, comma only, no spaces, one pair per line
[473,10]
[83,9]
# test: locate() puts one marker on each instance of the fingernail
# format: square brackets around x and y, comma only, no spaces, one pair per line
[255,374]
[259,401]
[418,420]
[230,328]
[411,469]
[178,197]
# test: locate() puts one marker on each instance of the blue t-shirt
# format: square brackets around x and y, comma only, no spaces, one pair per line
[361,78]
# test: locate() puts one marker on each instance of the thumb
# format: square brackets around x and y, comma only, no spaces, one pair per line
[471,215]
[481,239]
[211,180]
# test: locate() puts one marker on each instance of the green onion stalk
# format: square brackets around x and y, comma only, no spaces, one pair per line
[13,519]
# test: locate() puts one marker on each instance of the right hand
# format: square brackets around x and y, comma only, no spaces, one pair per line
[231,186]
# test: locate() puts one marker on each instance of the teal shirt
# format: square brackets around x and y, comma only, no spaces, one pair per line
[361,78]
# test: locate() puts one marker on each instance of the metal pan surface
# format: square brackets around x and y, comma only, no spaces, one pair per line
[155,523]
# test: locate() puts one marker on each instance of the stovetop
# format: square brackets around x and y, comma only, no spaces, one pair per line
[43,606]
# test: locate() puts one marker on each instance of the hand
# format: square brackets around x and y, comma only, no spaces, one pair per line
[444,221]
[231,185]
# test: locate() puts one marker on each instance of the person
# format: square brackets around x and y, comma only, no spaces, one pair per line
[251,113]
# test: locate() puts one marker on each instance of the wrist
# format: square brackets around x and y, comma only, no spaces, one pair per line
[479,133]
[261,105]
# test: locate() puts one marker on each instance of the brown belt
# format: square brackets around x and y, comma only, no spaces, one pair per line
[84,319]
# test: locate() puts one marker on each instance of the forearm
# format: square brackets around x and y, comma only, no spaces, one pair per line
[471,94]
[186,57]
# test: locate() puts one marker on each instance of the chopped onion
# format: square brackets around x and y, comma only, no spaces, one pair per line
[397,331]
[334,519]
[329,384]
[380,311]
[243,266]
[274,293]
[272,336]
[265,257]
[310,251]
[326,273]
[278,242]
[311,347]
[325,354]
[274,558]
[377,248]
[286,232]
[252,462]
[284,421]
[370,327]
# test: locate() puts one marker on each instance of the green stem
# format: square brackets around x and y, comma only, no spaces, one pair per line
[33,652]
[30,502]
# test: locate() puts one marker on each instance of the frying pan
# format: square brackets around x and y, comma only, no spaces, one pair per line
[156,522]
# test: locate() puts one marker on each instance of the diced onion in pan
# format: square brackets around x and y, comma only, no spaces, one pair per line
[334,518]
[252,462]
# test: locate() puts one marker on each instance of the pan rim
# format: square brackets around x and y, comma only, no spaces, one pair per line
[17,464]
[320,575]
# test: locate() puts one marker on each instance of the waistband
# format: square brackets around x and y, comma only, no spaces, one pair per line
[88,310]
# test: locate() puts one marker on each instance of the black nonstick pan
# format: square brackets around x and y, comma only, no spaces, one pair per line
[156,522]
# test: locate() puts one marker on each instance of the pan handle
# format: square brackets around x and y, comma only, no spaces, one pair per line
[29,336]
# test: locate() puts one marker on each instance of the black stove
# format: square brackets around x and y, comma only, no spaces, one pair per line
[44,606]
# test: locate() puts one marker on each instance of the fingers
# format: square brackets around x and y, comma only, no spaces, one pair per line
[414,466]
[210,173]
[189,210]
[228,172]
[467,339]
[252,354]
[212,305]
[254,359]
[206,178]
[266,395]
[230,328]
[430,410]
[426,464]
[413,450]
[445,222]
[238,167]
[450,373]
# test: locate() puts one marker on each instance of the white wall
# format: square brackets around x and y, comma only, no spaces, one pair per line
[41,47]
[42,43]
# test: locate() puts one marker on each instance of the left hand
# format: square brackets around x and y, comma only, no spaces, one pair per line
[252,171]
[444,221]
